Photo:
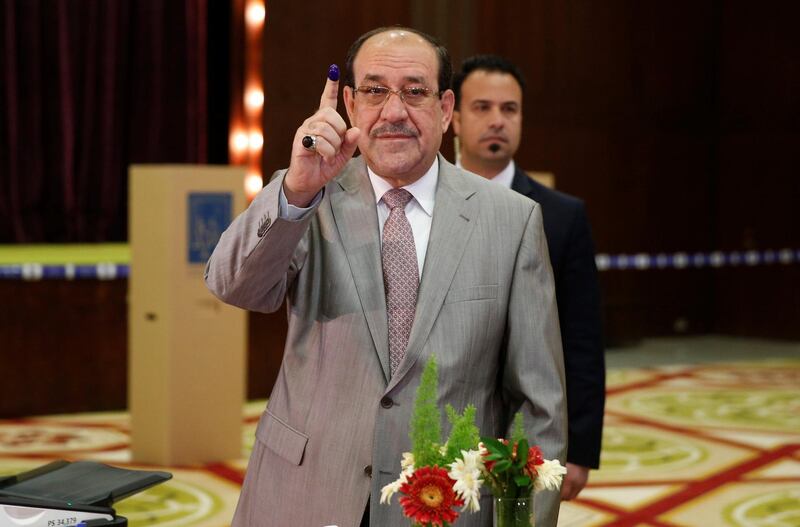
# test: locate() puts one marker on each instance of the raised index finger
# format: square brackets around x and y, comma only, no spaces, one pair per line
[330,95]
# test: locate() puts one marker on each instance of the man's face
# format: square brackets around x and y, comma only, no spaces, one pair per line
[399,141]
[488,121]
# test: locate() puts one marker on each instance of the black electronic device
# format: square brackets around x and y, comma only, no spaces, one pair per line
[65,494]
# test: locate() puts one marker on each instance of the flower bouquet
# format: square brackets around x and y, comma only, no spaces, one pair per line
[515,471]
[438,477]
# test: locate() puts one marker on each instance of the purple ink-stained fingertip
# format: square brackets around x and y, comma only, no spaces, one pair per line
[333,72]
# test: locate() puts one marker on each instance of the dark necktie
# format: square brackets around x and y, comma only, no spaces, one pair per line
[400,274]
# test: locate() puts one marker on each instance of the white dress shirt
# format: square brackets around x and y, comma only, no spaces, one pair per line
[504,177]
[419,210]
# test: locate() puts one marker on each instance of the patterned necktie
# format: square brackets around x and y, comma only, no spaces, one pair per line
[400,274]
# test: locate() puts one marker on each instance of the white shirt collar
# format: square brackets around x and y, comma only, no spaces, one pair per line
[505,177]
[423,189]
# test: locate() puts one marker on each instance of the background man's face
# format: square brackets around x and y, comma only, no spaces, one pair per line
[490,113]
[398,141]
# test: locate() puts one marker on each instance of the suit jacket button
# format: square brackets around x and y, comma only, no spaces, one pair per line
[387,402]
[368,471]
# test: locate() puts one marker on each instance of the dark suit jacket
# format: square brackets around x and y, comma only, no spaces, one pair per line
[569,239]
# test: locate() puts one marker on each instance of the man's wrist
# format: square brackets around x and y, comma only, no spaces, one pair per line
[291,212]
[298,199]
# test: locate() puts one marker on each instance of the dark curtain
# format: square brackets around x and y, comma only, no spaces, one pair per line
[88,87]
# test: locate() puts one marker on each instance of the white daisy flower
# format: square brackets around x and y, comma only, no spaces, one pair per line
[390,490]
[467,475]
[407,466]
[550,473]
[394,487]
[407,461]
[473,458]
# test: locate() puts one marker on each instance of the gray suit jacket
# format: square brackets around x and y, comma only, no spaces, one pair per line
[337,424]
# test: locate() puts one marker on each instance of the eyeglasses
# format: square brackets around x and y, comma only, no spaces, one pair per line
[416,96]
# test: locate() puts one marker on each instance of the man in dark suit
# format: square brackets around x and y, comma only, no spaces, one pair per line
[488,122]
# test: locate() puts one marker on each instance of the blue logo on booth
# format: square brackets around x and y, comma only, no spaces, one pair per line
[209,215]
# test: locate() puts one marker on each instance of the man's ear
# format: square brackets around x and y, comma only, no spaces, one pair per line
[457,122]
[448,102]
[349,103]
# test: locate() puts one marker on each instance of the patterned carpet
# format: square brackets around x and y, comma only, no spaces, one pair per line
[711,445]
[704,445]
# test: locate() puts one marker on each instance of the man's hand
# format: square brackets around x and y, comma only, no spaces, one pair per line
[574,481]
[310,170]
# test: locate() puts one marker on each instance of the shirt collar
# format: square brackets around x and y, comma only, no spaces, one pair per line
[505,177]
[423,189]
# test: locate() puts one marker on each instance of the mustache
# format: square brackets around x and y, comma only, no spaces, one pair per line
[393,129]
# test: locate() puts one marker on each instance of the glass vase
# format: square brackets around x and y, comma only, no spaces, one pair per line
[513,512]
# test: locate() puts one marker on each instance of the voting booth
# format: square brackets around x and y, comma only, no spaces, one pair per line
[186,349]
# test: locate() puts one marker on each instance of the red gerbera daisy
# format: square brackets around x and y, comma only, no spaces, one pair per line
[429,497]
[535,459]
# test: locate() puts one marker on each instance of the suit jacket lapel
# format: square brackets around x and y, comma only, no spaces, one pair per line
[453,220]
[356,219]
[522,183]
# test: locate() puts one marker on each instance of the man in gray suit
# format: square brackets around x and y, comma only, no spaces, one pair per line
[385,260]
